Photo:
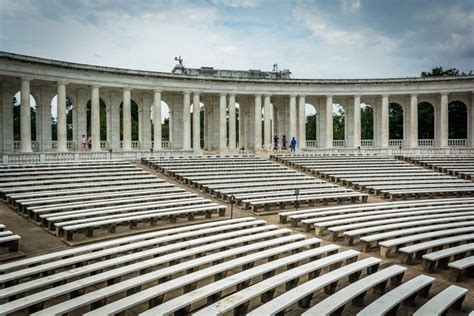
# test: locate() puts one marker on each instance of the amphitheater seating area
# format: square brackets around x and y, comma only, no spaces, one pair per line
[255,182]
[383,176]
[241,265]
[97,196]
[461,166]
[429,231]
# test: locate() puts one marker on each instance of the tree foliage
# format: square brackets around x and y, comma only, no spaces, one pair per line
[440,72]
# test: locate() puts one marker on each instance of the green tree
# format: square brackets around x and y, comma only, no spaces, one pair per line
[395,117]
[338,124]
[440,72]
[17,121]
[311,127]
[367,122]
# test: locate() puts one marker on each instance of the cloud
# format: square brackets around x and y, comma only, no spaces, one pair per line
[326,39]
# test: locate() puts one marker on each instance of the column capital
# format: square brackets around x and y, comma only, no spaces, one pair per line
[157,90]
[267,95]
[95,86]
[444,93]
[293,95]
[329,96]
[258,95]
[126,88]
[414,94]
[186,92]
[26,78]
[197,92]
[64,82]
[223,94]
[385,95]
[233,95]
[302,95]
[358,95]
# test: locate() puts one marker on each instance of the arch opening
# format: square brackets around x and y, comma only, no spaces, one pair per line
[457,112]
[426,121]
[395,121]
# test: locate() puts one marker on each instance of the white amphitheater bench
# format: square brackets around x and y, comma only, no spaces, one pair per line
[77,199]
[10,241]
[176,246]
[330,218]
[459,267]
[153,295]
[311,198]
[83,208]
[14,198]
[113,276]
[374,206]
[224,193]
[221,225]
[399,230]
[304,292]
[442,256]
[111,211]
[453,297]
[393,195]
[18,190]
[133,285]
[88,225]
[405,293]
[335,303]
[338,226]
[418,249]
[239,280]
[239,301]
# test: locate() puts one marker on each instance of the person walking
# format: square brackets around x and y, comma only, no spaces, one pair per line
[275,143]
[293,145]
[84,143]
[283,142]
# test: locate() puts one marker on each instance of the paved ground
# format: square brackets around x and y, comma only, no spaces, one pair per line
[36,240]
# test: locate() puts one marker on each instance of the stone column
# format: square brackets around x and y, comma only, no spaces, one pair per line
[292,115]
[196,122]
[470,122]
[444,121]
[384,122]
[156,120]
[258,122]
[25,116]
[301,122]
[232,122]
[186,121]
[329,122]
[242,126]
[413,120]
[267,137]
[222,122]
[356,120]
[145,143]
[61,124]
[6,118]
[95,119]
[127,121]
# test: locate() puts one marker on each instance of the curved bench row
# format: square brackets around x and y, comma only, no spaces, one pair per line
[241,265]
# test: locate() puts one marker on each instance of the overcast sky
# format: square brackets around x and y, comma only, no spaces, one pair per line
[314,39]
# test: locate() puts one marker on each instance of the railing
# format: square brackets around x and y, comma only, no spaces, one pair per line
[17,146]
[395,142]
[104,145]
[164,144]
[457,142]
[312,143]
[338,143]
[366,143]
[71,145]
[426,142]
